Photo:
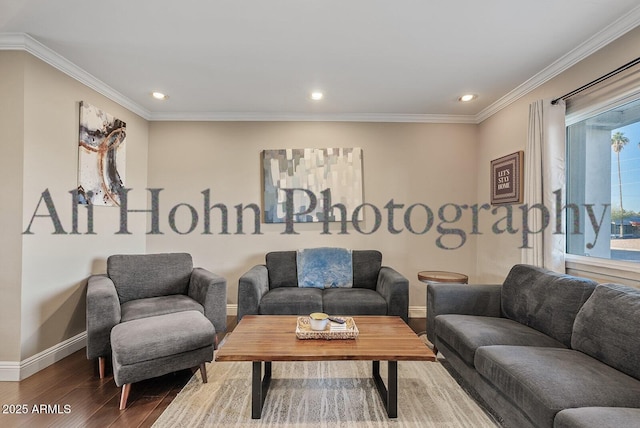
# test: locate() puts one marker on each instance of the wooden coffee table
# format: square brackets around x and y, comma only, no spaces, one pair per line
[267,338]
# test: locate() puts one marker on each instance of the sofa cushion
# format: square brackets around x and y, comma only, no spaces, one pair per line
[152,338]
[543,381]
[545,300]
[324,267]
[153,306]
[282,269]
[138,276]
[291,301]
[598,417]
[366,267]
[466,333]
[353,301]
[607,327]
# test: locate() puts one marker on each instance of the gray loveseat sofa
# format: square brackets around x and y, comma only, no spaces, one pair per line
[272,289]
[543,349]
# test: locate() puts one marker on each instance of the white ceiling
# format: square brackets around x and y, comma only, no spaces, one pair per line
[260,59]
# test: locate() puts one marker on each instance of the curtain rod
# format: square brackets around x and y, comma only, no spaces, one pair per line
[598,80]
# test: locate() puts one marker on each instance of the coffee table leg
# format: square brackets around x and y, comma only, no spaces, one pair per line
[389,396]
[259,387]
[392,405]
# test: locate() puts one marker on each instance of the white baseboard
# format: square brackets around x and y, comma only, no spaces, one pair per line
[9,371]
[232,309]
[414,311]
[16,371]
[417,311]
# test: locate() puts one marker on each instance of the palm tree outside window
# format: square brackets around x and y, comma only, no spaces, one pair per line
[618,141]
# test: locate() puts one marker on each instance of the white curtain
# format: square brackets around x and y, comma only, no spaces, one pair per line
[544,174]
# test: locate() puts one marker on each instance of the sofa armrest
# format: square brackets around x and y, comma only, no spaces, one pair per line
[395,289]
[103,313]
[251,287]
[482,300]
[210,290]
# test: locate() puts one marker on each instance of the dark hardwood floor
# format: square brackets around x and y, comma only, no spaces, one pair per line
[70,394]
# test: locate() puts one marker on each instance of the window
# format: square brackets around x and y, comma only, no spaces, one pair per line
[603,171]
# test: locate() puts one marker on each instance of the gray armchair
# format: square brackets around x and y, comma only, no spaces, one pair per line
[142,286]
[272,289]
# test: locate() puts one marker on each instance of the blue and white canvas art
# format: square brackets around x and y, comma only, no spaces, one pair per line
[101,157]
[315,170]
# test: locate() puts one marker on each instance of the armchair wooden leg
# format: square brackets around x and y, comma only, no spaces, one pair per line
[101,366]
[125,395]
[203,372]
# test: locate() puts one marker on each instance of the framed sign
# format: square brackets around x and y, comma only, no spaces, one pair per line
[507,179]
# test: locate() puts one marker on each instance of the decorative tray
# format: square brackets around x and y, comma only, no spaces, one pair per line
[348,330]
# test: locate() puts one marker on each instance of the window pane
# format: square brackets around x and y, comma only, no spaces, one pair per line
[603,185]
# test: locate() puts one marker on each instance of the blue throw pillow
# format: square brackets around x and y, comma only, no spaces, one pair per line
[325,268]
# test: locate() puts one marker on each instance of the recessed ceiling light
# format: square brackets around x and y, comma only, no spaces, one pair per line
[159,96]
[467,97]
[317,95]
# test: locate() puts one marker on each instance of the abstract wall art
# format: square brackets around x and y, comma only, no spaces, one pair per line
[101,157]
[337,169]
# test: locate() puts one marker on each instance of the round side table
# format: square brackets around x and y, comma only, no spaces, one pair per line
[439,276]
[428,276]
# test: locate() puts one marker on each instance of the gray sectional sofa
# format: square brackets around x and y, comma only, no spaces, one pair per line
[543,349]
[272,289]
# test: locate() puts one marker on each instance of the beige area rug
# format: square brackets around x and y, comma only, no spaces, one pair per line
[324,394]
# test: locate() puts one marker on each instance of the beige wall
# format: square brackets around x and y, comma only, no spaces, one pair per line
[506,132]
[11,137]
[409,163]
[49,287]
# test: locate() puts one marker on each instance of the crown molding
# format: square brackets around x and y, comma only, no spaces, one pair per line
[12,41]
[308,117]
[24,42]
[610,33]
